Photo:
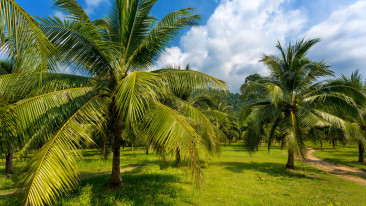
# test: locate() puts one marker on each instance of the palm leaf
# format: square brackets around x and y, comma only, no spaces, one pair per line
[51,171]
[22,39]
[169,129]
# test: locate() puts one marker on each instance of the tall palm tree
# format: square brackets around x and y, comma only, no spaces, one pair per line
[355,81]
[296,101]
[115,54]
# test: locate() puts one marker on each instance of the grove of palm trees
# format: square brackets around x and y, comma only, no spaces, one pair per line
[89,116]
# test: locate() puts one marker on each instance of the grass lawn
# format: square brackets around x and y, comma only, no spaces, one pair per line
[233,178]
[345,155]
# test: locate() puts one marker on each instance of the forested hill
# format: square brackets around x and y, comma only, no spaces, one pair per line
[234,101]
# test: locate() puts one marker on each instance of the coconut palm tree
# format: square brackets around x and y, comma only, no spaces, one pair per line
[355,81]
[114,54]
[296,101]
[191,103]
[7,137]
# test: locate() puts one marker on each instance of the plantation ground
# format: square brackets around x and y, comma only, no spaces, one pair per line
[345,155]
[233,178]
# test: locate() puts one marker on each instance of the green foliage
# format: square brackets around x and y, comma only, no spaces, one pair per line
[295,101]
[23,41]
[235,102]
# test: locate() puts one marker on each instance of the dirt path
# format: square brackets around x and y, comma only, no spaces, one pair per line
[348,173]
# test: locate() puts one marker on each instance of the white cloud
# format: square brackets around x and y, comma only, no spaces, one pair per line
[60,15]
[230,45]
[92,4]
[343,37]
[173,57]
[236,35]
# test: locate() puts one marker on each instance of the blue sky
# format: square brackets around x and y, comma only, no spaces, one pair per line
[235,33]
[98,8]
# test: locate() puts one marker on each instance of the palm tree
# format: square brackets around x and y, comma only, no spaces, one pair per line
[296,101]
[193,105]
[355,81]
[7,137]
[115,54]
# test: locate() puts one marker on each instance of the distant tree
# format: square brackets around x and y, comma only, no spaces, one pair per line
[253,78]
[295,101]
[259,94]
[7,124]
[235,103]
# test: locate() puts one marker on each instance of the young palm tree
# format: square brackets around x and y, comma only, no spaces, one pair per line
[185,99]
[7,135]
[6,123]
[296,101]
[115,52]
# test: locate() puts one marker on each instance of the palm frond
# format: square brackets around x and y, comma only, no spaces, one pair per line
[22,39]
[186,82]
[135,92]
[159,38]
[17,86]
[35,112]
[80,45]
[71,8]
[52,170]
[169,129]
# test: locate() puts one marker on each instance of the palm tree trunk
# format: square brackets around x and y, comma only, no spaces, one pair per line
[105,149]
[9,168]
[148,148]
[361,152]
[290,160]
[333,143]
[116,179]
[178,158]
[131,147]
[321,143]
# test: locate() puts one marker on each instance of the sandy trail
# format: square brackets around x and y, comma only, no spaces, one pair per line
[349,173]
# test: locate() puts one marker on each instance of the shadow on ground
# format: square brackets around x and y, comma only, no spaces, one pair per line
[273,169]
[138,189]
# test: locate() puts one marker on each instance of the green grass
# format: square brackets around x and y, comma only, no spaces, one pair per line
[233,178]
[344,155]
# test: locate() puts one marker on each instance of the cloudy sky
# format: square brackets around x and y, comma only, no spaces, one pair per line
[234,34]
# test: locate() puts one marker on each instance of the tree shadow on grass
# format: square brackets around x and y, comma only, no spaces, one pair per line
[137,189]
[11,199]
[271,168]
[338,153]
